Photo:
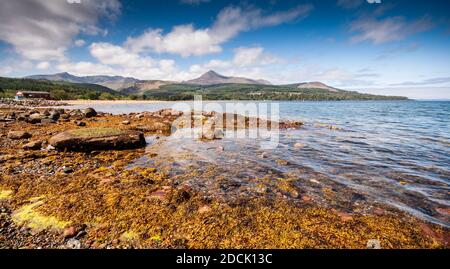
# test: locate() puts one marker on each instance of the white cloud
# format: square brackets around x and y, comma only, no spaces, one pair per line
[43,30]
[80,42]
[389,29]
[186,40]
[43,65]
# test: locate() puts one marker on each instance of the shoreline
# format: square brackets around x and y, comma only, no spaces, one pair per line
[93,199]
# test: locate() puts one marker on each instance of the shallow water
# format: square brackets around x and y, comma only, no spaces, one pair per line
[393,153]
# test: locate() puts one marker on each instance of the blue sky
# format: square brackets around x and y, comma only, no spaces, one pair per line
[396,47]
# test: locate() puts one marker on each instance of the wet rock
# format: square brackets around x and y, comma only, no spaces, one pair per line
[16,135]
[89,112]
[264,155]
[90,139]
[33,145]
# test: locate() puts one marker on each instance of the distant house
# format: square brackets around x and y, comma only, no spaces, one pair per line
[20,95]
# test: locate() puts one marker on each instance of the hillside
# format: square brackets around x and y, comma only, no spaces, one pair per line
[257,92]
[58,90]
[211,85]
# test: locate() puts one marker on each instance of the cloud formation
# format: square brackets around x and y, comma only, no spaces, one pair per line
[186,40]
[380,31]
[43,30]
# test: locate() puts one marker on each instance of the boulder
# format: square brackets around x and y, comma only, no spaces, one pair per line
[54,115]
[89,112]
[33,145]
[90,139]
[16,135]
[35,118]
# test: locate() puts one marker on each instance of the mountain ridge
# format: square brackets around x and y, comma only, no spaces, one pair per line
[213,78]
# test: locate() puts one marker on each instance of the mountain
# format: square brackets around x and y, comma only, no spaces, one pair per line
[315,85]
[60,90]
[112,82]
[211,85]
[125,85]
[212,78]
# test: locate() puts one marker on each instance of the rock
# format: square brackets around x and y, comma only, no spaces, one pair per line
[211,134]
[35,118]
[80,123]
[90,139]
[70,232]
[73,244]
[65,116]
[43,121]
[67,170]
[373,244]
[126,122]
[54,115]
[176,113]
[166,112]
[16,135]
[89,112]
[264,155]
[156,127]
[33,145]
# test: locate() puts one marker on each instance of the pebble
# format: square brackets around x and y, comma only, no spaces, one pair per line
[67,170]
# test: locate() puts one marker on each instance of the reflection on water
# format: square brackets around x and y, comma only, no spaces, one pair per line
[394,153]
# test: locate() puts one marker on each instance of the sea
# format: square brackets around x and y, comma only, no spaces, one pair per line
[349,155]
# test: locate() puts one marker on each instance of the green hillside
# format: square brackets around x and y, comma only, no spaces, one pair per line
[58,90]
[256,92]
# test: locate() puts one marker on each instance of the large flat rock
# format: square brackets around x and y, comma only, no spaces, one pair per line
[89,139]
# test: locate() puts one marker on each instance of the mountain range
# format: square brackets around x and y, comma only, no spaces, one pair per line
[129,85]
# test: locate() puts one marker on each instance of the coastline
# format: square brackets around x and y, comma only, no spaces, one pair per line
[94,199]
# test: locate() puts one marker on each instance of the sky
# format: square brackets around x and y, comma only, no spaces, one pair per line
[391,47]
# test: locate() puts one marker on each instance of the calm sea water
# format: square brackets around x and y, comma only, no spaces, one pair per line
[391,153]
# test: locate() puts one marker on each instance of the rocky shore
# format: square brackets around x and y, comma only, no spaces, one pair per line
[66,182]
[8,103]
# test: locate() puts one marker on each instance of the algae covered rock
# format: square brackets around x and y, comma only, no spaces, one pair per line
[97,139]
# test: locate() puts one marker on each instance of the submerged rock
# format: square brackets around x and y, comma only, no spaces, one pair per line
[90,139]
